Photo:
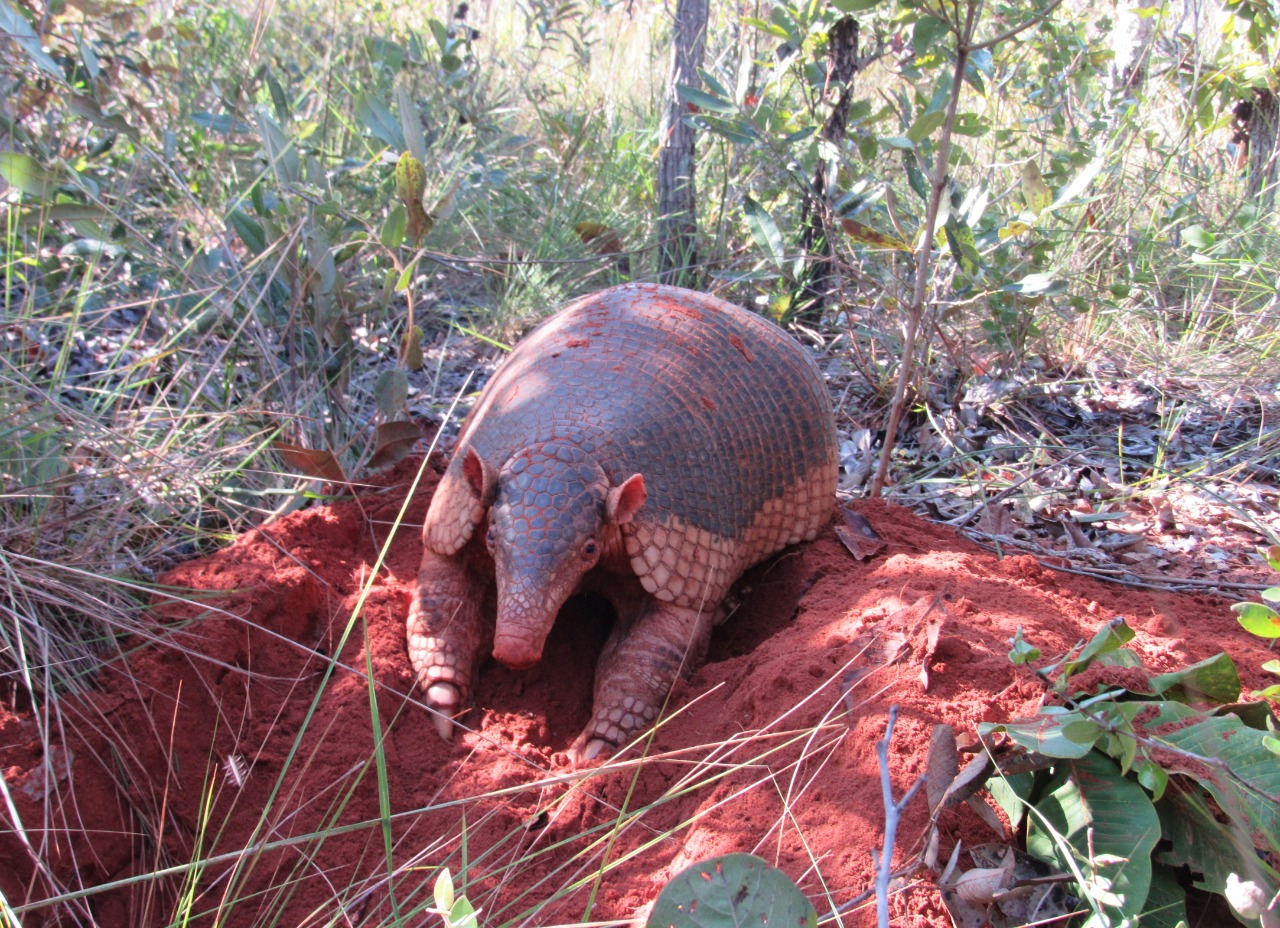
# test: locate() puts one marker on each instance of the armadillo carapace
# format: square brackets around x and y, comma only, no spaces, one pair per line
[647,443]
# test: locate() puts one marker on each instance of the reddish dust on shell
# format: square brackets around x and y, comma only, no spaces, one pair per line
[229,735]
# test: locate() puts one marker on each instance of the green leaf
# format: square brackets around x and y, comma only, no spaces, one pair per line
[1078,184]
[1166,905]
[1082,731]
[1198,840]
[462,914]
[250,231]
[855,6]
[927,30]
[1258,619]
[392,234]
[713,85]
[391,390]
[923,127]
[704,100]
[1022,652]
[1214,679]
[443,891]
[767,27]
[1152,776]
[731,891]
[1037,284]
[14,26]
[1198,237]
[738,129]
[915,177]
[1115,634]
[1043,733]
[894,141]
[961,243]
[281,154]
[1012,792]
[764,230]
[25,173]
[1110,828]
[379,120]
[1247,776]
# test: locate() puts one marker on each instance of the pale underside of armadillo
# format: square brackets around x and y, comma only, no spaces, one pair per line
[727,424]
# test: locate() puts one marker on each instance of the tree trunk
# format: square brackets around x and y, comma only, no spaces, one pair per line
[818,277]
[677,193]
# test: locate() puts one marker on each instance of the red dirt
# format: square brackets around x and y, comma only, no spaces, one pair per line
[238,677]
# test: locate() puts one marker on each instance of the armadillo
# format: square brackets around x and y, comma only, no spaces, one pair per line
[647,443]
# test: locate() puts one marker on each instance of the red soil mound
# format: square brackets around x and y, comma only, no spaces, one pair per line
[771,750]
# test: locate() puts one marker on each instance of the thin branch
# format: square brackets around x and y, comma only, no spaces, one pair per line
[892,815]
[1022,27]
[924,266]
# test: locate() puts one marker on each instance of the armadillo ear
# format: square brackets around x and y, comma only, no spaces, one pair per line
[624,501]
[480,475]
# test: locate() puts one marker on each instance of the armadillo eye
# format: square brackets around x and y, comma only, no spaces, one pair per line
[590,548]
[491,537]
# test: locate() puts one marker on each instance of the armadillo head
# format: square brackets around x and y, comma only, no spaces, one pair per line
[548,505]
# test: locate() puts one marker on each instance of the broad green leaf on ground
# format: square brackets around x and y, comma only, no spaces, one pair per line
[1012,791]
[1111,828]
[1115,634]
[1166,900]
[732,891]
[1044,732]
[1242,774]
[1199,841]
[1212,680]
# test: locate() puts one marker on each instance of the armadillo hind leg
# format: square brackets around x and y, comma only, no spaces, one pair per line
[448,635]
[647,650]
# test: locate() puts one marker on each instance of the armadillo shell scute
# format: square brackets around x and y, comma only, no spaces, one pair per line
[726,417]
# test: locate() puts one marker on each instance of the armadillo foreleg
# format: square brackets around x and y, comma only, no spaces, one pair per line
[448,635]
[644,655]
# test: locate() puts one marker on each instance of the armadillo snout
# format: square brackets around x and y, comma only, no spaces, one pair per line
[516,652]
[544,523]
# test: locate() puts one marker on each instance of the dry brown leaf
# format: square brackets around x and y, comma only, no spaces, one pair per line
[942,766]
[857,535]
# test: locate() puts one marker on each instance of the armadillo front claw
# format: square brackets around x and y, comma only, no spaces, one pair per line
[446,700]
[587,749]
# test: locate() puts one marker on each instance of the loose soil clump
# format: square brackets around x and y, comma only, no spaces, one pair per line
[248,736]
